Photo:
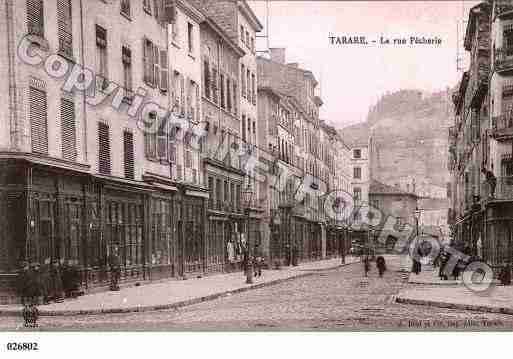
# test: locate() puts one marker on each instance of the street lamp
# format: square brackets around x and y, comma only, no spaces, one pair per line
[247,197]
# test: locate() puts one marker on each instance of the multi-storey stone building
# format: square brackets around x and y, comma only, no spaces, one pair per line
[476,141]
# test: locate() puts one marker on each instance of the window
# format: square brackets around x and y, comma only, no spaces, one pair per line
[103,148]
[68,129]
[190,38]
[357,173]
[38,120]
[235,108]
[357,193]
[357,153]
[508,40]
[243,80]
[65,27]
[188,159]
[242,34]
[157,6]
[149,62]
[253,89]
[214,85]
[35,17]
[174,31]
[244,128]
[211,191]
[172,151]
[247,38]
[248,84]
[101,54]
[164,73]
[206,78]
[125,7]
[126,55]
[228,95]
[252,44]
[222,91]
[128,147]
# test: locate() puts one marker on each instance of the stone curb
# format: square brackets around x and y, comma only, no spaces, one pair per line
[440,304]
[174,305]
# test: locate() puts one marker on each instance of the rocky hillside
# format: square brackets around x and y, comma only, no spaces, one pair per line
[409,139]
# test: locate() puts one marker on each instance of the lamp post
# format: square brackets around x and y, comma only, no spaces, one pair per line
[247,196]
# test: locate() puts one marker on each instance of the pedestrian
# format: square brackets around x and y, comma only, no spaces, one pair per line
[366,265]
[505,275]
[257,263]
[33,286]
[22,282]
[56,290]
[295,255]
[46,281]
[381,265]
[115,269]
[287,255]
[230,249]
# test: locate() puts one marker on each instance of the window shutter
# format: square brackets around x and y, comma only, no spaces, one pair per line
[38,120]
[128,145]
[68,129]
[64,20]
[189,96]
[179,172]
[182,95]
[188,159]
[103,148]
[164,75]
[35,17]
[162,144]
[156,66]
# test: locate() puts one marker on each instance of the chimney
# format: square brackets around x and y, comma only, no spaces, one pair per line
[278,54]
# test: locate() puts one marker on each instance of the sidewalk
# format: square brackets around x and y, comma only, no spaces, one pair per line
[454,294]
[175,293]
[429,275]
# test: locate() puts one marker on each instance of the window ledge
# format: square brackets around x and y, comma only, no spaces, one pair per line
[175,44]
[192,56]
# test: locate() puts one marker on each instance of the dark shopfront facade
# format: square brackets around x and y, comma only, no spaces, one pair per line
[290,229]
[65,214]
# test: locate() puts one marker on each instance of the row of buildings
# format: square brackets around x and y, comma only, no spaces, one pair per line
[83,178]
[481,139]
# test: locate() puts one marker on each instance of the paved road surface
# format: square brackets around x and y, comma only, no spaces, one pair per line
[328,300]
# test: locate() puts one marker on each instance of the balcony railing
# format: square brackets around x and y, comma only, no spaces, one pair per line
[503,6]
[502,125]
[504,59]
[503,189]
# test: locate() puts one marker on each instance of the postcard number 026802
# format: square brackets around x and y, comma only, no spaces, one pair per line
[22,346]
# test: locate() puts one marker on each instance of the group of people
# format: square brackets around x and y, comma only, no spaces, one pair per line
[380,265]
[238,251]
[52,281]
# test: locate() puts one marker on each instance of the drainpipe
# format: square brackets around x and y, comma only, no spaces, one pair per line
[82,59]
[13,92]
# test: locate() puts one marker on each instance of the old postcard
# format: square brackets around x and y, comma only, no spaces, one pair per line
[231,165]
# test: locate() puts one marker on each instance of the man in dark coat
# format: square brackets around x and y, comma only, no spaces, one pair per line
[56,280]
[505,275]
[115,269]
[366,265]
[22,282]
[45,281]
[381,264]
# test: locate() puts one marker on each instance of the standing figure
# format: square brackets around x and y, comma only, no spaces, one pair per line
[295,255]
[22,282]
[381,264]
[115,269]
[46,281]
[366,265]
[230,253]
[56,282]
[505,275]
[257,262]
[287,255]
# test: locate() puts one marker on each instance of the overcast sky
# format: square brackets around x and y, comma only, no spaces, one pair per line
[352,76]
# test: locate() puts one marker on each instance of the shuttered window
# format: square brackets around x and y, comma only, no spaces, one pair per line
[126,55]
[65,27]
[35,17]
[149,76]
[38,120]
[128,145]
[206,79]
[68,129]
[164,77]
[103,148]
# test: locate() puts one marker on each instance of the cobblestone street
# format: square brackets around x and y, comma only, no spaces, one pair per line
[330,299]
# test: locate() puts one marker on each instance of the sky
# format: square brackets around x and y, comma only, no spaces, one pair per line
[353,77]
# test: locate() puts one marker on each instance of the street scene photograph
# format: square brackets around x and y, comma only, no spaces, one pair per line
[254,166]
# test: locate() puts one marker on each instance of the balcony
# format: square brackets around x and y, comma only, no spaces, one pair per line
[502,126]
[503,190]
[503,8]
[503,59]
